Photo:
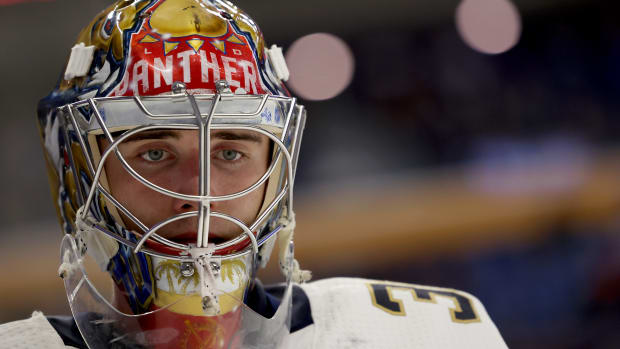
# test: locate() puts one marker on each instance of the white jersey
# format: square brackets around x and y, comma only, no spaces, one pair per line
[35,332]
[347,313]
[361,313]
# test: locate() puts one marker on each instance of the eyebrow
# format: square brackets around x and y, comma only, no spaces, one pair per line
[157,134]
[233,136]
[161,134]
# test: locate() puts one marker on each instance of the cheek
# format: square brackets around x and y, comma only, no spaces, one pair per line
[246,207]
[226,182]
[255,199]
[122,185]
[117,179]
[132,194]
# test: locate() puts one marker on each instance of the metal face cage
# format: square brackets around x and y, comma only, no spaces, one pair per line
[278,118]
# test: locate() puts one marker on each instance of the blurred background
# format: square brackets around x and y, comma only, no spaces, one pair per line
[468,144]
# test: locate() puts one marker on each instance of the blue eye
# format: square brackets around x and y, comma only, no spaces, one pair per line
[230,155]
[154,155]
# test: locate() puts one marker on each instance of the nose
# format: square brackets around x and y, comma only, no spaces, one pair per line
[186,181]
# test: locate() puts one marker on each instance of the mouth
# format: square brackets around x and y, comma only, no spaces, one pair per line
[191,239]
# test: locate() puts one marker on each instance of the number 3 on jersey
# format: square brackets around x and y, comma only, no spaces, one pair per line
[382,298]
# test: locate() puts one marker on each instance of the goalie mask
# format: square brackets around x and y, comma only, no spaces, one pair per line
[171,144]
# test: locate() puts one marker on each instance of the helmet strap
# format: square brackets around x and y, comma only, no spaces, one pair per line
[285,237]
[208,270]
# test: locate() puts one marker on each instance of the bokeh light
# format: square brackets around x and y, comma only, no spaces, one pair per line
[489,26]
[321,66]
[15,2]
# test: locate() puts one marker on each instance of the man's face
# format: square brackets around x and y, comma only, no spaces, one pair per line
[169,159]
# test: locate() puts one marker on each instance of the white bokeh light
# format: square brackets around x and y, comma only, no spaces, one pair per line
[489,26]
[321,66]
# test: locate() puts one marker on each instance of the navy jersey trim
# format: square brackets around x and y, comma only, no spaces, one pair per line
[67,330]
[301,316]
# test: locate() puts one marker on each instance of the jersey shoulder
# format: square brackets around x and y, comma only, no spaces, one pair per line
[363,313]
[35,332]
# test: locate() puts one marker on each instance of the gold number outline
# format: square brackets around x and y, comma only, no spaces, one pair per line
[423,294]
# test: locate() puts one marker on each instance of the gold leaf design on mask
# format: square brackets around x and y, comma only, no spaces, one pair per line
[205,335]
[230,268]
[171,270]
[186,280]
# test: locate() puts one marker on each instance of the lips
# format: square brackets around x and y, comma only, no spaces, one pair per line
[190,238]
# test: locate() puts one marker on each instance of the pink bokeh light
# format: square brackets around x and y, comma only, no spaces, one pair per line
[489,26]
[15,2]
[321,66]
